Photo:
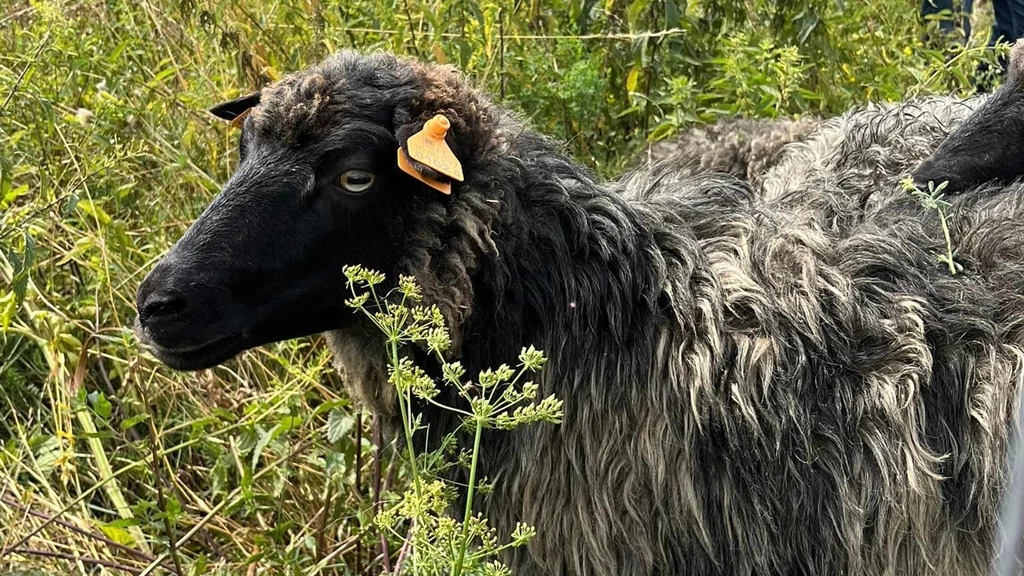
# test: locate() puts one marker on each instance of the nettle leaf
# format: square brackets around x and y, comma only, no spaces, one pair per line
[287,424]
[338,425]
[245,440]
[336,464]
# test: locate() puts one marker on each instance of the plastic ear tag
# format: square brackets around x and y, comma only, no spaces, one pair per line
[408,168]
[429,148]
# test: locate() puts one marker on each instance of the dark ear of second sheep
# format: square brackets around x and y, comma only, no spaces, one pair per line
[989,145]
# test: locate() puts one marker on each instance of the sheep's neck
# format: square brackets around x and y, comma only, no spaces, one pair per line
[578,261]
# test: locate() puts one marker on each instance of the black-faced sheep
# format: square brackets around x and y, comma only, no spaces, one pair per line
[781,382]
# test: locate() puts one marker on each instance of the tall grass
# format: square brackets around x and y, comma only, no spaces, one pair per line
[113,464]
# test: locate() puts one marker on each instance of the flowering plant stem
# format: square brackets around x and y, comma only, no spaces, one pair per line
[435,542]
[457,568]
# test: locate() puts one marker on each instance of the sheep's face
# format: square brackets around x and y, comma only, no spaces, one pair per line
[264,261]
[317,188]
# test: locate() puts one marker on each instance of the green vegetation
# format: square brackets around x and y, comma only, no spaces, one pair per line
[934,199]
[498,399]
[113,464]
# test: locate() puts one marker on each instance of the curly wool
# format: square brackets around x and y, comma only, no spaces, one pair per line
[784,381]
[743,147]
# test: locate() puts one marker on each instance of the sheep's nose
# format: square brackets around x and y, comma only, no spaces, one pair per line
[175,310]
[160,298]
[159,305]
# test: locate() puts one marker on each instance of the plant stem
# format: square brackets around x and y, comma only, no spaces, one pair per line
[228,500]
[406,421]
[407,425]
[378,442]
[949,242]
[457,569]
[112,489]
[73,557]
[158,479]
[138,554]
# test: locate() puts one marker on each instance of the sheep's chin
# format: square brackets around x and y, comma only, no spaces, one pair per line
[360,360]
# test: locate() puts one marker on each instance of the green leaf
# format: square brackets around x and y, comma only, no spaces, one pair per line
[671,14]
[338,425]
[93,209]
[22,265]
[264,440]
[100,404]
[5,175]
[129,422]
[662,131]
[117,534]
[246,440]
[327,406]
[161,76]
[13,194]
[199,565]
[8,308]
[47,454]
[633,79]
[336,465]
[634,12]
[173,508]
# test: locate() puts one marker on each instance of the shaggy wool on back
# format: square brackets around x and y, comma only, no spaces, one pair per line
[784,383]
[743,147]
[779,382]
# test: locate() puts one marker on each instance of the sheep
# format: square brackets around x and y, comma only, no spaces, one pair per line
[743,147]
[989,145]
[781,380]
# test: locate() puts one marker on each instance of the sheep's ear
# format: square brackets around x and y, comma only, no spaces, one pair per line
[235,110]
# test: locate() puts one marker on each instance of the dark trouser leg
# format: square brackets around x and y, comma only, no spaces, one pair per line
[1003,26]
[1006,27]
[1016,8]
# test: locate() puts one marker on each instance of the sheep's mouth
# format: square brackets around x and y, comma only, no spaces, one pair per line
[193,357]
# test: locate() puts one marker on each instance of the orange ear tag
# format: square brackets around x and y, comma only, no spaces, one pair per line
[429,148]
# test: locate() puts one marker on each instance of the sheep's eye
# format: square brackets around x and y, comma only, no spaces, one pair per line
[356,181]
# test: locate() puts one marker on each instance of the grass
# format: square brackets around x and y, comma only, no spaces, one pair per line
[112,464]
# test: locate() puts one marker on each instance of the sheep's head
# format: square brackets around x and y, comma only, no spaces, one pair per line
[988,145]
[318,188]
